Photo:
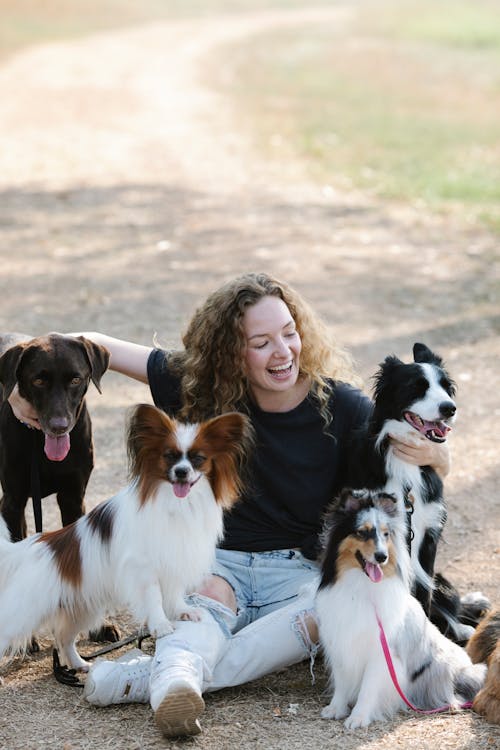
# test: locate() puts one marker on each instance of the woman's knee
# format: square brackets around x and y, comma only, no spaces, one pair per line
[219,589]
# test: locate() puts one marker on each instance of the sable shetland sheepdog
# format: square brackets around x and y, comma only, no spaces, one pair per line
[416,401]
[143,549]
[485,646]
[366,573]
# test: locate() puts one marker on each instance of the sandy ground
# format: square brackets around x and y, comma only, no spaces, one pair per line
[128,192]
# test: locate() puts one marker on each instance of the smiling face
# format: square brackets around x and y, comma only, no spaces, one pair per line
[272,354]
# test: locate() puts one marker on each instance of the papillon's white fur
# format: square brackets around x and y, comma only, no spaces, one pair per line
[367,573]
[143,550]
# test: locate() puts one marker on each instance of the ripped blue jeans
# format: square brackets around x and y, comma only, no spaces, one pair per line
[275,595]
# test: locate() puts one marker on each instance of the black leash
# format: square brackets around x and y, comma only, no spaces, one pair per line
[409,507]
[67,676]
[36,493]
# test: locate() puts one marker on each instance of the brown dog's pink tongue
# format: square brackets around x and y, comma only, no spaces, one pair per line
[57,448]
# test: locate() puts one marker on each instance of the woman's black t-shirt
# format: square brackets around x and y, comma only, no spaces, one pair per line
[296,468]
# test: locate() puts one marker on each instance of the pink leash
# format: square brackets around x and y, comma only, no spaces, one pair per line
[392,672]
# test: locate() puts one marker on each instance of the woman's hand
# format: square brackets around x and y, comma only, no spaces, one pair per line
[423,452]
[23,411]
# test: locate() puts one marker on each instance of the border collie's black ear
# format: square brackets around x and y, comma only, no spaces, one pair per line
[422,353]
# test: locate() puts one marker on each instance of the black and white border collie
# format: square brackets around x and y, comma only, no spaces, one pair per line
[416,401]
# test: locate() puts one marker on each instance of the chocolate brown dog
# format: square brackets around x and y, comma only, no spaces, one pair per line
[53,373]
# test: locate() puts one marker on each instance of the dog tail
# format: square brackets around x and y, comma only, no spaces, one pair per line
[469,681]
[30,591]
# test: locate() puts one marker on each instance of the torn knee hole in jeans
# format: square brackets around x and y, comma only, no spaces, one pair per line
[305,627]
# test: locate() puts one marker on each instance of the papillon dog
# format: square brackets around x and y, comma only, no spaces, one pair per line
[416,402]
[143,550]
[366,577]
[484,646]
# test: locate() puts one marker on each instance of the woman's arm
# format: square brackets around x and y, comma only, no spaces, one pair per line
[423,453]
[125,357]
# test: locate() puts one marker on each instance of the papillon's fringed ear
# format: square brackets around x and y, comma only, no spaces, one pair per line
[228,440]
[148,427]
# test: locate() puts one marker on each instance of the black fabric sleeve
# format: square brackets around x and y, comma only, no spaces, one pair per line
[165,387]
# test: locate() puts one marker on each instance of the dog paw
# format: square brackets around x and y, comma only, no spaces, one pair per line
[334,712]
[357,721]
[161,629]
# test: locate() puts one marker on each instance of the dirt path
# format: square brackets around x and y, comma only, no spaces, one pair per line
[127,192]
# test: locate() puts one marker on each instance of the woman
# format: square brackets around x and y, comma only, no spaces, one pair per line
[254,346]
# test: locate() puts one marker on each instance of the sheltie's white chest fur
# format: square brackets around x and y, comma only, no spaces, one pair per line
[366,578]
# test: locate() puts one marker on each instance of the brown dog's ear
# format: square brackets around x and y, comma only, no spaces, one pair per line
[98,357]
[9,364]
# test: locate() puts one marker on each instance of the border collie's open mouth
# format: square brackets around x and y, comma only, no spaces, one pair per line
[435,431]
[372,570]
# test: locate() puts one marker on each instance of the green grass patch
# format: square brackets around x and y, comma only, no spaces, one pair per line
[408,109]
[463,24]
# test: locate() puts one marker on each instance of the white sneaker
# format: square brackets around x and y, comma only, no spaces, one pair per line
[177,715]
[125,680]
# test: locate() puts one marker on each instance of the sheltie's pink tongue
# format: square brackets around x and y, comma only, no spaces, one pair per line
[181,489]
[57,448]
[374,572]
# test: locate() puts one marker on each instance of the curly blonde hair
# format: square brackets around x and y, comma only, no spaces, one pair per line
[212,365]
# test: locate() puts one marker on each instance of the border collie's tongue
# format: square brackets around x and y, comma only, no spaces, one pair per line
[436,431]
[374,572]
[57,448]
[181,489]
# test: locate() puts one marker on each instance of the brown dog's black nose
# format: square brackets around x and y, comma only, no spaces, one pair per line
[59,425]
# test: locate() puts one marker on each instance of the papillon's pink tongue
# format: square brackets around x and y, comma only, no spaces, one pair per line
[57,448]
[374,572]
[181,489]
